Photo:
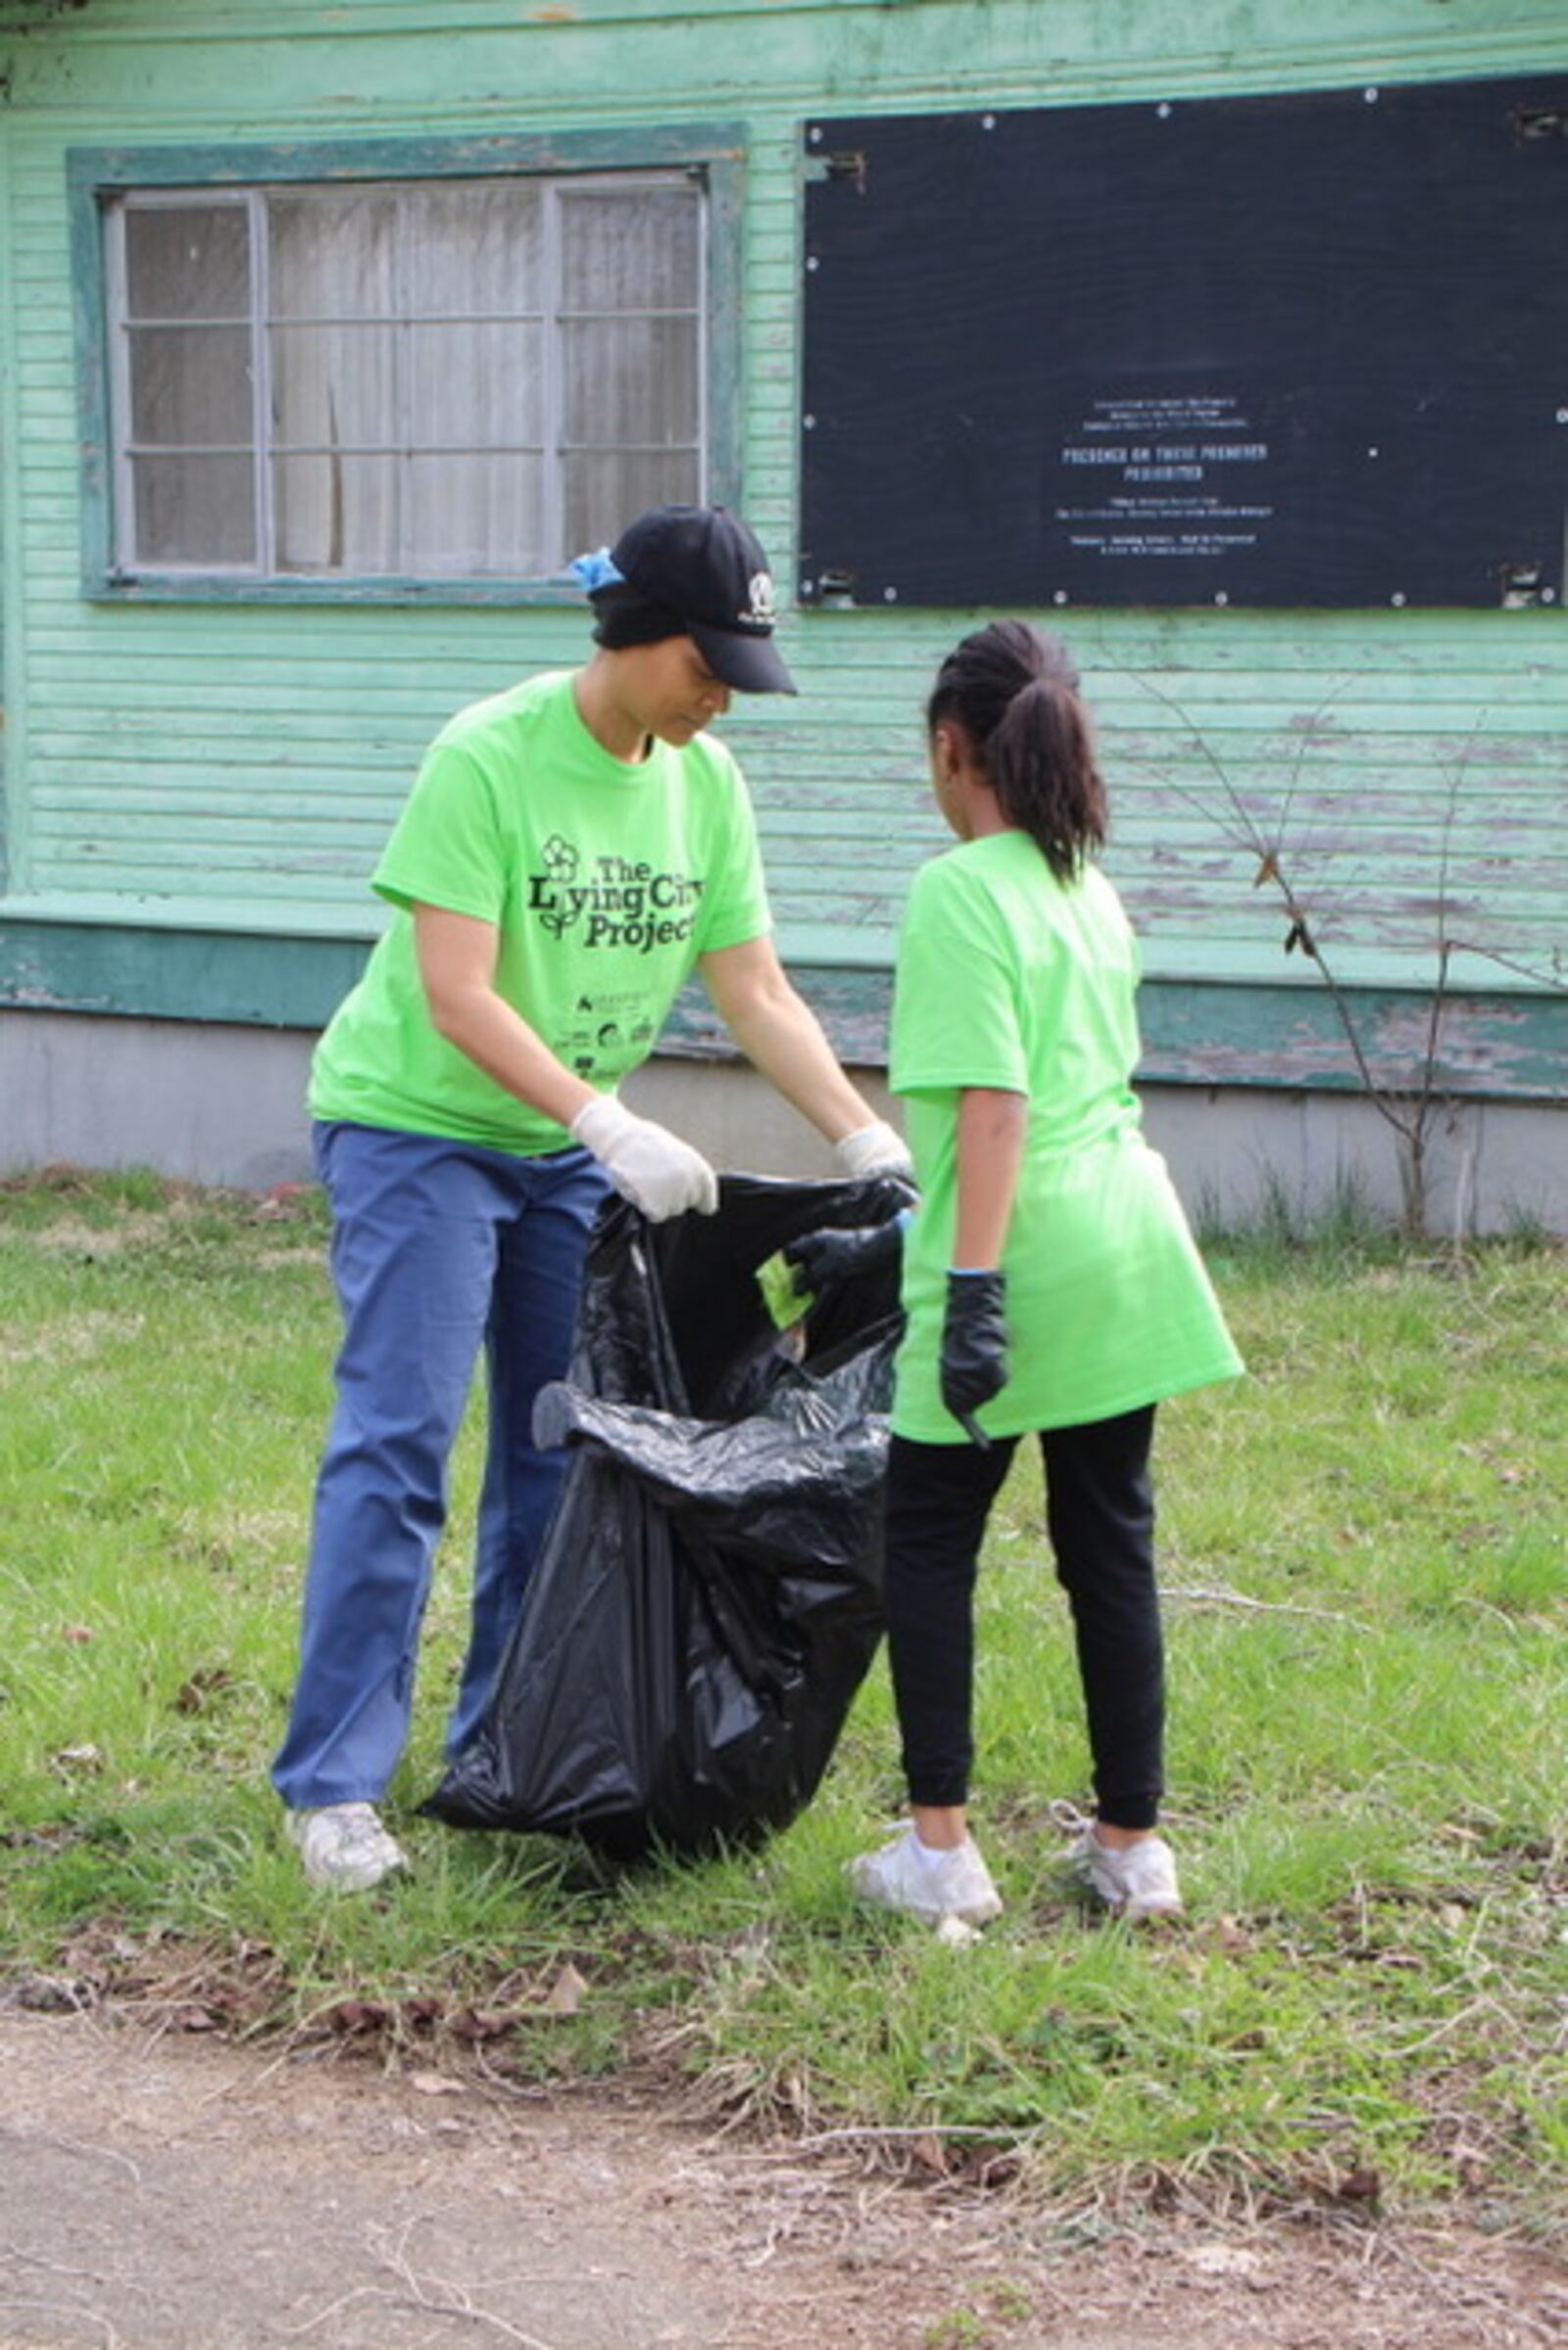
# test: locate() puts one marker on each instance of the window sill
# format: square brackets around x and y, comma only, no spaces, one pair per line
[286,918]
[238,587]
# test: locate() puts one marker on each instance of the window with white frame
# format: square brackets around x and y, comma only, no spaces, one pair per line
[421,380]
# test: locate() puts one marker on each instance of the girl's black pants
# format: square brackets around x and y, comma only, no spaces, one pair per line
[1099,1515]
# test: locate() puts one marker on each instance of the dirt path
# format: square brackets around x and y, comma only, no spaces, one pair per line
[171,2195]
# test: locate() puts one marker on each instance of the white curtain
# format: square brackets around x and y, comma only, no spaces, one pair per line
[433,346]
[403,351]
[466,379]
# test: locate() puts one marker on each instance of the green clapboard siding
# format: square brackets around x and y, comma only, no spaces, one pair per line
[181,773]
[1207,1032]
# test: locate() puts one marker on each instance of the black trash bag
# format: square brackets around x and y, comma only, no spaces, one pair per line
[707,1598]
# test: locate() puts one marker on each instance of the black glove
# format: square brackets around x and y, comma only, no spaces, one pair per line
[974,1348]
[818,1259]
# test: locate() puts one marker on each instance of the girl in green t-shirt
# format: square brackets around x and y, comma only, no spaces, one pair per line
[1050,1283]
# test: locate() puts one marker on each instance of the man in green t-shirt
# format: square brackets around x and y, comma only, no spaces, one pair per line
[572,849]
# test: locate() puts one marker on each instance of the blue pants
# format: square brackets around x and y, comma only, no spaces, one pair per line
[438,1247]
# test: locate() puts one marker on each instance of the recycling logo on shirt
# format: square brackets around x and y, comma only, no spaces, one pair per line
[611,901]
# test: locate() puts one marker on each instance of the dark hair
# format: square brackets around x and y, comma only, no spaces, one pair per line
[1014,693]
[624,616]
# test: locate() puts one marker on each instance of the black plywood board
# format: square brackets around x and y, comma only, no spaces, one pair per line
[1306,349]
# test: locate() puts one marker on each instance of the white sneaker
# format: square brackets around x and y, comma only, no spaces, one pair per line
[1138,1881]
[958,1885]
[344,1847]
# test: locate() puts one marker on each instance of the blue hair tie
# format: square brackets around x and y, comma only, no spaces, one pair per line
[595,571]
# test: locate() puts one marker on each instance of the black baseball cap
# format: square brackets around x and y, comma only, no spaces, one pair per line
[704,565]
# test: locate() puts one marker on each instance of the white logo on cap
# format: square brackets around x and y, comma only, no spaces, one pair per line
[759,587]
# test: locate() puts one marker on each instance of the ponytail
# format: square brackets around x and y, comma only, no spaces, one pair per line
[1015,692]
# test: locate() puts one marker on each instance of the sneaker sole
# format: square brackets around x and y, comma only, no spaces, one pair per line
[981,1912]
[1145,1913]
[976,1913]
[363,1879]
[866,1888]
[358,1883]
[1135,1913]
[1120,1904]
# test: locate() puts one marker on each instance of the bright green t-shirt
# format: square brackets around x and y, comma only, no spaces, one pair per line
[606,882]
[1009,978]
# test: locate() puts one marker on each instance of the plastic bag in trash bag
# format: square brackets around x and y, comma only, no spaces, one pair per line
[706,1601]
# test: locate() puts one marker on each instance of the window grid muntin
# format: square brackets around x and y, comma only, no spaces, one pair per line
[553,313]
[262,380]
[552,483]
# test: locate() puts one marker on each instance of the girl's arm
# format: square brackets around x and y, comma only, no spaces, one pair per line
[992,1125]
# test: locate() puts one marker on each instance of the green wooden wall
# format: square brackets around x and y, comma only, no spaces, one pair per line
[194,793]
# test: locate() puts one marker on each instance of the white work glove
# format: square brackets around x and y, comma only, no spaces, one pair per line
[648,1166]
[874,1149]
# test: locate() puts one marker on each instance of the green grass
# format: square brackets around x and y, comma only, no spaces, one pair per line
[1367,1768]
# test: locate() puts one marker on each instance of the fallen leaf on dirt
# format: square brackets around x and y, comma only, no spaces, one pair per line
[987,2168]
[435,2084]
[51,1836]
[930,2153]
[354,2016]
[1223,2260]
[1360,2185]
[567,1993]
[794,2096]
[193,1695]
[281,1200]
[51,1995]
[478,2024]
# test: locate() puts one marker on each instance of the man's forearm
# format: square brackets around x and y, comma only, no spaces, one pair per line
[482,1026]
[457,958]
[782,1038]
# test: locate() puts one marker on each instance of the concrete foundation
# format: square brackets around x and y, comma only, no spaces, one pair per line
[224,1106]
